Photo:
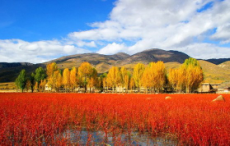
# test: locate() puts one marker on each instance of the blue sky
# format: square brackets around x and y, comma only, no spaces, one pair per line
[40,30]
[34,20]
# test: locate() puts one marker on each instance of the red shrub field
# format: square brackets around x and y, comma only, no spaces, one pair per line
[75,119]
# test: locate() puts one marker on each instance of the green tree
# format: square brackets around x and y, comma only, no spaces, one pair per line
[21,80]
[93,79]
[40,75]
[32,80]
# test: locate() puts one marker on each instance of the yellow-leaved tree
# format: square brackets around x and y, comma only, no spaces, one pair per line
[42,85]
[57,78]
[50,69]
[160,75]
[154,76]
[131,84]
[84,72]
[125,78]
[194,74]
[137,74]
[113,77]
[66,78]
[188,77]
[73,78]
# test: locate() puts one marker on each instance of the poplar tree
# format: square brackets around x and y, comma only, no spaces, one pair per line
[188,77]
[137,74]
[32,80]
[84,71]
[66,78]
[50,69]
[73,78]
[93,79]
[124,78]
[40,75]
[21,80]
[194,74]
[113,77]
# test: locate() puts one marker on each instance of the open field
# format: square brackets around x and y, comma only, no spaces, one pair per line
[7,86]
[113,119]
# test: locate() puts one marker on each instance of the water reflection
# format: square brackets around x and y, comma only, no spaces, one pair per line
[101,138]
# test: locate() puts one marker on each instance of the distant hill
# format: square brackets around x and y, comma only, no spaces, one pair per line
[225,65]
[103,62]
[156,55]
[9,71]
[218,61]
[172,59]
[214,73]
[16,64]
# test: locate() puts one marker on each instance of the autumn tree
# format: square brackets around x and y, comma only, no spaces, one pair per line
[147,78]
[154,76]
[21,80]
[131,84]
[73,78]
[28,85]
[188,77]
[50,69]
[113,77]
[84,72]
[137,74]
[173,78]
[194,74]
[42,85]
[125,78]
[159,75]
[66,78]
[58,79]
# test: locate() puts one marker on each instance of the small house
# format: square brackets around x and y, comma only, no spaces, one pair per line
[47,87]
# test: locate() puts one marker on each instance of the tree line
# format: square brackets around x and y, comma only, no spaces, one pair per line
[150,78]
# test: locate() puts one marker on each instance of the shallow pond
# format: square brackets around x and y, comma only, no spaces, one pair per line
[100,138]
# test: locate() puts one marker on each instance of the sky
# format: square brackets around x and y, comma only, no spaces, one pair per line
[41,30]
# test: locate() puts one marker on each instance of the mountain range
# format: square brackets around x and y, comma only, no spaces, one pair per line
[215,70]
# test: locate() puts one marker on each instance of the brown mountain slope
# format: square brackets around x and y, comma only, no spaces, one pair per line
[214,73]
[104,62]
[154,55]
[93,58]
[225,65]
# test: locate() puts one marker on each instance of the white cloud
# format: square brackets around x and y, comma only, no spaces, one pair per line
[222,34]
[112,49]
[206,51]
[161,24]
[16,50]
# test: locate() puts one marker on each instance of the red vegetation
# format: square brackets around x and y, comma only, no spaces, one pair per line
[37,119]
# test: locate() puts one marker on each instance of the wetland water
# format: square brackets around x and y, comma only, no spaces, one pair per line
[101,138]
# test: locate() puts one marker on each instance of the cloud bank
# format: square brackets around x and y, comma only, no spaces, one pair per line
[200,28]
